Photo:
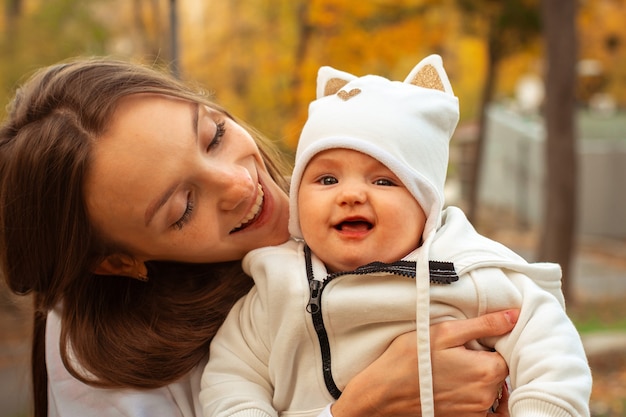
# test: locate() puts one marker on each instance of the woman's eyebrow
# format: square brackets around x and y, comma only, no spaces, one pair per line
[159,202]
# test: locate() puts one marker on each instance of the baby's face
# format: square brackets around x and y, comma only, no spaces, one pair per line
[353,210]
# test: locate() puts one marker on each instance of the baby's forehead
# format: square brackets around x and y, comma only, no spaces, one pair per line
[348,158]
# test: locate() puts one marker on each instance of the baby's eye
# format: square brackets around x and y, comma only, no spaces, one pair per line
[328,180]
[385,182]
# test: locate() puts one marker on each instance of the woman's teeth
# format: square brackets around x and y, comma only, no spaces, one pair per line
[254,210]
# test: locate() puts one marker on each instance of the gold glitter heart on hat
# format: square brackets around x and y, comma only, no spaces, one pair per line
[346,95]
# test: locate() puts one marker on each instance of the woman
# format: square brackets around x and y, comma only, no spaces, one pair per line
[127,200]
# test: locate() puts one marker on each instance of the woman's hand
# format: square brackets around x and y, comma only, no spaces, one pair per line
[466,382]
[502,407]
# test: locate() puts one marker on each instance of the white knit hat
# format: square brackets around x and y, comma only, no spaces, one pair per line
[405,125]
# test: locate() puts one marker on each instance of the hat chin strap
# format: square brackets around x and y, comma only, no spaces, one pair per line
[422,322]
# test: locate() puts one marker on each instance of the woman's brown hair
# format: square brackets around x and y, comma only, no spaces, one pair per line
[121,332]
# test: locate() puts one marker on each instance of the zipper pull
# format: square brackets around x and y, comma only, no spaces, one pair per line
[314,297]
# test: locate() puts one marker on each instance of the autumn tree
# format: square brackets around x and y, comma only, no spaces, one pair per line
[52,31]
[149,27]
[506,27]
[602,40]
[13,10]
[558,229]
[385,37]
[12,13]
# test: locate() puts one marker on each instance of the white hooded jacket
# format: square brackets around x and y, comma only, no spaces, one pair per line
[267,359]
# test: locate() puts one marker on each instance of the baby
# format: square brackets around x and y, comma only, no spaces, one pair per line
[374,254]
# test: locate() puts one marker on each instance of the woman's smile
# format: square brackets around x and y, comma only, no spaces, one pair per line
[254,211]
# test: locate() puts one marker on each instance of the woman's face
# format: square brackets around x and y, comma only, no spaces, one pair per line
[173,180]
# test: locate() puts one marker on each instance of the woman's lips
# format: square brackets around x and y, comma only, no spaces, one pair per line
[254,212]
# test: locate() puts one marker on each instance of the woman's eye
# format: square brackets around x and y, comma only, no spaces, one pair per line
[328,180]
[184,219]
[220,130]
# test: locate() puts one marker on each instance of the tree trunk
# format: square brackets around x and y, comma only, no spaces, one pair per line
[13,10]
[493,57]
[559,221]
[304,33]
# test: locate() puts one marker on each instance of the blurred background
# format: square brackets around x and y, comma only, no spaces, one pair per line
[538,160]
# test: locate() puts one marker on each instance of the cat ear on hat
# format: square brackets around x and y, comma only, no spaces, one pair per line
[330,81]
[429,73]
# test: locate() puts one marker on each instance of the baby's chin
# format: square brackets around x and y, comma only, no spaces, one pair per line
[344,266]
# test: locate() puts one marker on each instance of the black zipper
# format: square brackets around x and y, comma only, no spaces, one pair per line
[440,273]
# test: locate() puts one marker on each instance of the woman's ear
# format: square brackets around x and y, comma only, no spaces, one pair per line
[125,265]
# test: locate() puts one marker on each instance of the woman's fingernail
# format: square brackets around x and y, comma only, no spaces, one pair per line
[512,316]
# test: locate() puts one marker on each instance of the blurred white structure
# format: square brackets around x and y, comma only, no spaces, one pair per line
[513,169]
[529,93]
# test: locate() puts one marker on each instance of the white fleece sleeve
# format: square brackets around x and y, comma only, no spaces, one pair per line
[236,380]
[549,372]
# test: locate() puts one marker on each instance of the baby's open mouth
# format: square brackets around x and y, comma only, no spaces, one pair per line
[354,226]
[254,212]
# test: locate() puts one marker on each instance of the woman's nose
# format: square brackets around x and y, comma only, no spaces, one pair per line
[234,186]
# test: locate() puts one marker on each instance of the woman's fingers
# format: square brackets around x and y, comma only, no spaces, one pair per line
[454,333]
[502,408]
[468,381]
